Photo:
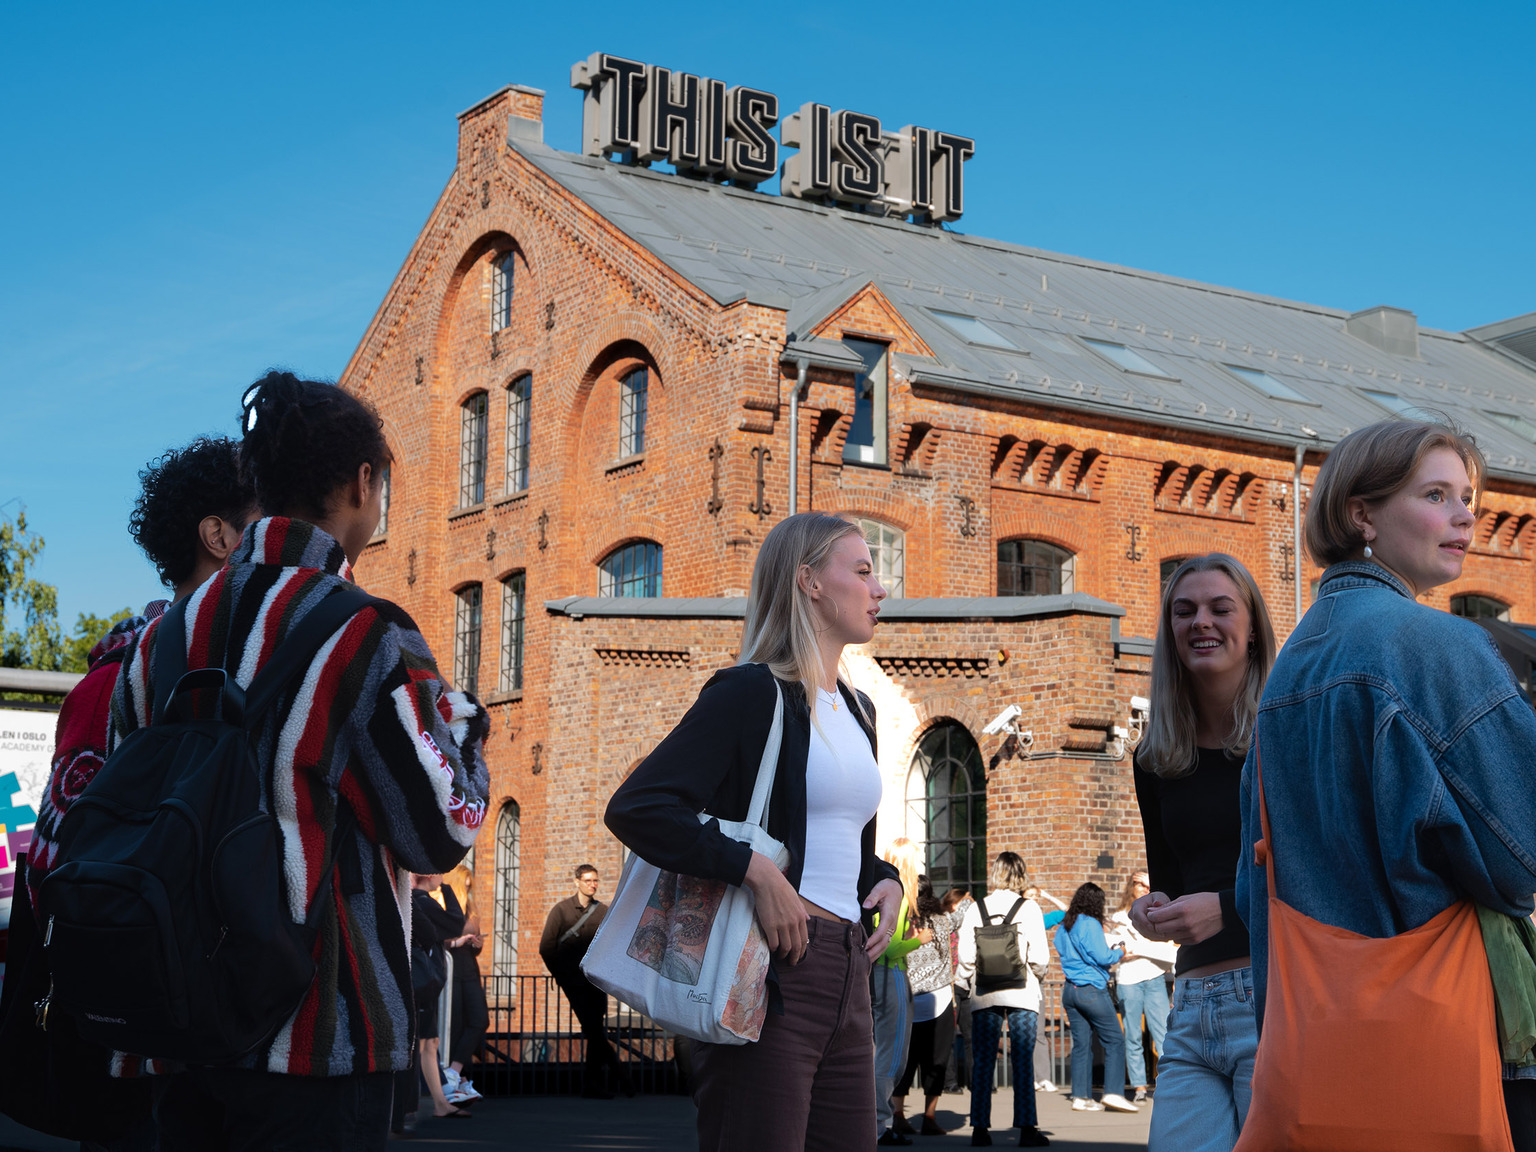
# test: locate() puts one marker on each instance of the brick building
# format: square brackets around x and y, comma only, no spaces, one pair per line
[596,379]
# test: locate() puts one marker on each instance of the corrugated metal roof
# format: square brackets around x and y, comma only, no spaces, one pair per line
[806,259]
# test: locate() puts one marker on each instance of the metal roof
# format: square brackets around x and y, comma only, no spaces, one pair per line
[807,258]
[919,608]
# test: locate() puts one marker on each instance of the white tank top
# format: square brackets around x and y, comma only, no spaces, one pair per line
[842,793]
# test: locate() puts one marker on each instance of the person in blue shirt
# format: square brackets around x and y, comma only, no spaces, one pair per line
[1086,959]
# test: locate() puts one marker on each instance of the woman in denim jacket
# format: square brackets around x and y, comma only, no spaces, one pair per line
[1397,747]
[1213,652]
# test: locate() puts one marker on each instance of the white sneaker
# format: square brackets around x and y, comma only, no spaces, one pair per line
[1088,1104]
[450,1080]
[1044,1086]
[1118,1103]
[467,1089]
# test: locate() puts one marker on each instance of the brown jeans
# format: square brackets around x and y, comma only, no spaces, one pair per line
[809,1082]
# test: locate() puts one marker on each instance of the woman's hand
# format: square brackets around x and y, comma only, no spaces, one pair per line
[924,935]
[884,898]
[780,914]
[1140,909]
[1187,920]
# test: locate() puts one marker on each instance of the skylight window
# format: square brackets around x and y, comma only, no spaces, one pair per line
[1267,384]
[1404,408]
[974,330]
[1127,358]
[1516,424]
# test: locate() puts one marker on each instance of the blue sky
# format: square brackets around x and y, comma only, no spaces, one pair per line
[192,194]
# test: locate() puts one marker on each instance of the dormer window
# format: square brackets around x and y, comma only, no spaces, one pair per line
[866,443]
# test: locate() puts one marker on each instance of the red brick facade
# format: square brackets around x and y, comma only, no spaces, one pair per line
[964,473]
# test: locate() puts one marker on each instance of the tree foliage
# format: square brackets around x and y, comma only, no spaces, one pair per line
[30,636]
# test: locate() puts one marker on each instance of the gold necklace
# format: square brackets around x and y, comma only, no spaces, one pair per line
[833,695]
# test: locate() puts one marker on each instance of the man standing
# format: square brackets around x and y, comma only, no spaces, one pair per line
[568,933]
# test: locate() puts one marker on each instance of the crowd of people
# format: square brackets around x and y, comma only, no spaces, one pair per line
[1343,921]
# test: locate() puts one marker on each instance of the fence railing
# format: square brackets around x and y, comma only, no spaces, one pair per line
[534,1043]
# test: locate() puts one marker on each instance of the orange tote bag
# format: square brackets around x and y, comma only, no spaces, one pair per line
[1375,1045]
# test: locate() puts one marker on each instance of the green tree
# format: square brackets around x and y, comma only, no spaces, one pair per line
[88,630]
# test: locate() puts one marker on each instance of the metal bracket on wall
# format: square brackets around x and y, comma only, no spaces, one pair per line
[543,530]
[420,379]
[1133,553]
[495,344]
[761,507]
[1288,562]
[538,756]
[968,506]
[715,503]
[490,544]
[549,316]
[485,193]
[410,567]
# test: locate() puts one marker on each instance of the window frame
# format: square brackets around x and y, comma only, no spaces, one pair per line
[611,583]
[1063,577]
[519,438]
[386,481]
[509,835]
[928,760]
[892,574]
[1097,347]
[503,289]
[474,447]
[874,385]
[468,624]
[634,408]
[1461,599]
[514,635]
[1241,373]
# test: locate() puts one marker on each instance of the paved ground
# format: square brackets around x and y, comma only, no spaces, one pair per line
[665,1124]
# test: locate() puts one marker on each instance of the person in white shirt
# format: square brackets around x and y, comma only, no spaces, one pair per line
[1142,982]
[1015,1002]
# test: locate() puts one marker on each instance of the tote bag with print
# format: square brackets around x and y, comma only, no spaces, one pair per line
[688,952]
[1374,1045]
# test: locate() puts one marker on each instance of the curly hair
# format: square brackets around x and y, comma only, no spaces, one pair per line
[304,439]
[177,491]
[1088,901]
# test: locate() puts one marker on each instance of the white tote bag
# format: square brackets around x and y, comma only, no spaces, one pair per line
[688,952]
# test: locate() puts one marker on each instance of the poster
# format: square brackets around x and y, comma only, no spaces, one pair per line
[26,744]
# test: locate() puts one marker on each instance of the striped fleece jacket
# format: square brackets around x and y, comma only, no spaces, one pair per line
[370,724]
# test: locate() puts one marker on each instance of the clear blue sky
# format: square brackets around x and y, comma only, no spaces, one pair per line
[193,193]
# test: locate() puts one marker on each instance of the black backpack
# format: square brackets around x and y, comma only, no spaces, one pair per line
[998,963]
[164,916]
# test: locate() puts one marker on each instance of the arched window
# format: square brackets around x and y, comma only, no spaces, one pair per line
[519,432]
[503,277]
[947,807]
[1480,608]
[384,478]
[633,400]
[633,570]
[466,640]
[1034,568]
[888,549]
[513,597]
[472,450]
[1165,570]
[504,945]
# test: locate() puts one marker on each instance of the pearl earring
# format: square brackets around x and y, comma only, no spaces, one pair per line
[1368,552]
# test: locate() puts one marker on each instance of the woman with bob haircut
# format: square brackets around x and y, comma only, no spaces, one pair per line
[1397,747]
[808,1081]
[1213,652]
[1015,1007]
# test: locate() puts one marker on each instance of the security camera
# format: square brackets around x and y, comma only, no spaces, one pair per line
[1140,704]
[1003,722]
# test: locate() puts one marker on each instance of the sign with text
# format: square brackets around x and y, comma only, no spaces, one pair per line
[644,113]
[26,748]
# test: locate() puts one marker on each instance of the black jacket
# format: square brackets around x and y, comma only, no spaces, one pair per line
[708,763]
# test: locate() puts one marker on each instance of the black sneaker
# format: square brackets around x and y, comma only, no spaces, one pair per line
[981,1138]
[1032,1137]
[891,1137]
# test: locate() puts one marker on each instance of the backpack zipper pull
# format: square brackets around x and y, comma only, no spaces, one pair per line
[48,935]
[42,1006]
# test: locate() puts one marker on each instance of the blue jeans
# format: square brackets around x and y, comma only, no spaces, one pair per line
[1206,1077]
[1090,1011]
[986,1030]
[1149,998]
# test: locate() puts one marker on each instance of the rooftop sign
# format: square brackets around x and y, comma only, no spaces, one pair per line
[644,113]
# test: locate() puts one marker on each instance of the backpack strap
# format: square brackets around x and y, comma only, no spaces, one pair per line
[986,917]
[298,648]
[170,656]
[1014,911]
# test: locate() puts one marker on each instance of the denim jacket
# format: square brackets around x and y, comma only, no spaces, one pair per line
[1399,768]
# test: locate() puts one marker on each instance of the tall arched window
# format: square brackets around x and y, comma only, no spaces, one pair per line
[466,640]
[504,945]
[1034,568]
[633,570]
[472,450]
[519,432]
[514,591]
[634,400]
[384,481]
[503,277]
[888,549]
[947,807]
[1480,608]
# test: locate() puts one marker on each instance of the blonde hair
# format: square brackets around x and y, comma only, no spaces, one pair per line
[461,880]
[780,625]
[1008,871]
[1129,896]
[1168,748]
[1373,463]
[908,858]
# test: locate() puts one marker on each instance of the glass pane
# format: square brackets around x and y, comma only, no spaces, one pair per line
[1127,358]
[974,330]
[1265,383]
[867,434]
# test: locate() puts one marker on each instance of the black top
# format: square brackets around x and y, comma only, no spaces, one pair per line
[563,958]
[708,763]
[1193,826]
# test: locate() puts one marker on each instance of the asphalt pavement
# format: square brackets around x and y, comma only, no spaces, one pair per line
[665,1124]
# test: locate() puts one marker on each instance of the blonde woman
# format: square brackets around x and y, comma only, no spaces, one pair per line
[814,591]
[890,994]
[1142,985]
[1213,652]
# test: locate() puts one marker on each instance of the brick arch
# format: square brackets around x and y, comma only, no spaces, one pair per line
[474,390]
[523,368]
[470,254]
[933,707]
[627,759]
[597,354]
[886,507]
[1218,537]
[1010,522]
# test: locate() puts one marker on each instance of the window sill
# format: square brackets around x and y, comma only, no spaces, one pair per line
[381,538]
[510,498]
[878,467]
[628,462]
[460,513]
[512,697]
